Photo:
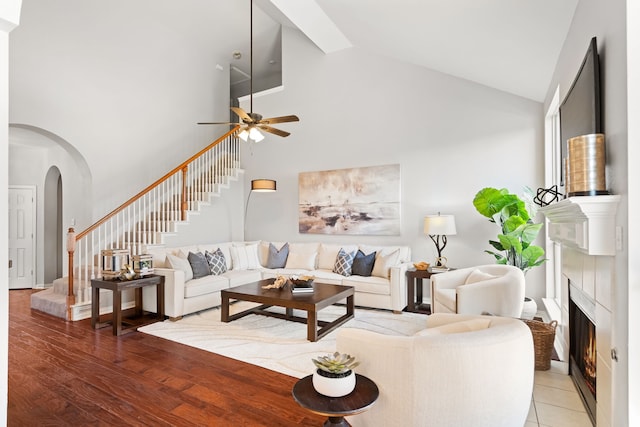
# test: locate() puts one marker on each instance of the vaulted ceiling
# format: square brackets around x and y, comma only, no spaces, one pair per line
[508,45]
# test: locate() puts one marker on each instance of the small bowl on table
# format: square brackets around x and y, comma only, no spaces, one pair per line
[421,265]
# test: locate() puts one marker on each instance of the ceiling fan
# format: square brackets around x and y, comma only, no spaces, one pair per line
[252,122]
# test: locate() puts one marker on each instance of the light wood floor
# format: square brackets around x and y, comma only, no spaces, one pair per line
[65,373]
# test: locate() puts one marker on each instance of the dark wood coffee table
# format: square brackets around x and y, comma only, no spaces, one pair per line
[336,408]
[323,296]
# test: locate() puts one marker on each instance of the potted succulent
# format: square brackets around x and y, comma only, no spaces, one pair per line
[518,232]
[334,376]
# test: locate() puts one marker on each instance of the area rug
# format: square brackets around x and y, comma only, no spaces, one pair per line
[273,343]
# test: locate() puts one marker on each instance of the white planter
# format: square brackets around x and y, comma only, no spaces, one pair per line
[334,387]
[530,308]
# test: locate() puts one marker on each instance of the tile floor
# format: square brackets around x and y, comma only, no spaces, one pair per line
[555,400]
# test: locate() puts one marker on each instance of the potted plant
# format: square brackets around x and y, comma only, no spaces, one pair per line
[518,230]
[334,376]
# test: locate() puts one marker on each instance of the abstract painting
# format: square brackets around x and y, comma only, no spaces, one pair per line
[364,201]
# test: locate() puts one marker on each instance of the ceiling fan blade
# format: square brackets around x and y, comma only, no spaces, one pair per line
[242,114]
[281,119]
[274,130]
[218,123]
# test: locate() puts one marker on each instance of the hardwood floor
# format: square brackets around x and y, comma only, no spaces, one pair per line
[65,373]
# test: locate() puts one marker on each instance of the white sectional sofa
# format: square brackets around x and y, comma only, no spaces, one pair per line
[247,262]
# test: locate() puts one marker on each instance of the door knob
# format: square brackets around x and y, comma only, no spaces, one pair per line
[10,263]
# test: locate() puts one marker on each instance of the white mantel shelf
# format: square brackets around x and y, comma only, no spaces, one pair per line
[586,223]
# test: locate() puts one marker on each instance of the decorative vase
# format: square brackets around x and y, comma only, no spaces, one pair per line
[529,309]
[334,385]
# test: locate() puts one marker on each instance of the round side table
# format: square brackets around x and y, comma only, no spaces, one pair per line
[336,408]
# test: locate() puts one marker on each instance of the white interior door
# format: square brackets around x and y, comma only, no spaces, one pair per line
[21,237]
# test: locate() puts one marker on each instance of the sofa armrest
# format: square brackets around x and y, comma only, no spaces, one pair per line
[398,285]
[173,291]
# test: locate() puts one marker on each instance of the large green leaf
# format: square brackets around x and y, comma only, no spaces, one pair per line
[531,254]
[512,223]
[510,241]
[490,201]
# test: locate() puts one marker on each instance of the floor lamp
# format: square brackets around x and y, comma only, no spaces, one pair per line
[259,186]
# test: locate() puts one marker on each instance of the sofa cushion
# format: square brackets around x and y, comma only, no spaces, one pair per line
[217,262]
[301,260]
[371,285]
[178,263]
[277,258]
[199,264]
[245,257]
[363,264]
[240,277]
[205,285]
[343,263]
[327,254]
[478,276]
[383,263]
[404,252]
[470,325]
[327,276]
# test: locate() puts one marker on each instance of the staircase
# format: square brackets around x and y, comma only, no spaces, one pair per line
[144,220]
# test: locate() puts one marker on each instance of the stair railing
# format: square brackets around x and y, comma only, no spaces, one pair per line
[139,221]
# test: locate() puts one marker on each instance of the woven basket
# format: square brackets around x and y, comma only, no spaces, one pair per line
[543,336]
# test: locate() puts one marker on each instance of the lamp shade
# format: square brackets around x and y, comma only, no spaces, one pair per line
[439,225]
[263,185]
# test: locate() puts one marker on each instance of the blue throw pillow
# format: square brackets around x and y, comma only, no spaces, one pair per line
[363,264]
[277,258]
[344,262]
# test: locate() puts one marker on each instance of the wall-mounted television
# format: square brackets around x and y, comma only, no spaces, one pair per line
[580,112]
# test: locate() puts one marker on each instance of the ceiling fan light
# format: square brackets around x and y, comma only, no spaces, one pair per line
[255,135]
[243,135]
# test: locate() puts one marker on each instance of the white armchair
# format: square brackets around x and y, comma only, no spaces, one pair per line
[494,288]
[459,371]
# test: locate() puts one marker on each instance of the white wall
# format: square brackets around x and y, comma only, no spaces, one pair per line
[9,19]
[451,138]
[633,154]
[124,83]
[607,21]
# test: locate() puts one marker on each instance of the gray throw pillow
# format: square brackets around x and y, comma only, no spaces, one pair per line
[277,258]
[199,265]
[344,262]
[217,262]
[363,264]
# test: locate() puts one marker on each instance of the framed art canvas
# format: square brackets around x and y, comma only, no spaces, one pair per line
[360,201]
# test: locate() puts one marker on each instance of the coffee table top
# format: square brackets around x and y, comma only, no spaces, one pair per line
[321,292]
[359,400]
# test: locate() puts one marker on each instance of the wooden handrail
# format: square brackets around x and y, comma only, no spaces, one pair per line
[182,166]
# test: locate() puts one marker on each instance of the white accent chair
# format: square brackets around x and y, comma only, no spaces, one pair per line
[460,371]
[496,289]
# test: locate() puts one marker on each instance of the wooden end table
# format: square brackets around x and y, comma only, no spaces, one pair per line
[415,282]
[117,286]
[336,408]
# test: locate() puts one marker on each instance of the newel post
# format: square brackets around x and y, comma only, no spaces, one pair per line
[183,201]
[71,247]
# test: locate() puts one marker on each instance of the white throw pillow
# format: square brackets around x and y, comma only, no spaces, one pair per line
[245,257]
[383,263]
[478,276]
[470,325]
[179,263]
[302,260]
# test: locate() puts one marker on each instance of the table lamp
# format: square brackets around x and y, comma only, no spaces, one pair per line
[438,227]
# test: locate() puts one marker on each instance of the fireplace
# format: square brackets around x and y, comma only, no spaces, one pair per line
[582,351]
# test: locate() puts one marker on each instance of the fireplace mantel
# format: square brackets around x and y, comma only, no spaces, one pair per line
[585,223]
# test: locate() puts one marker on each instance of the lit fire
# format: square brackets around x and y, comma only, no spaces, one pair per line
[589,358]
